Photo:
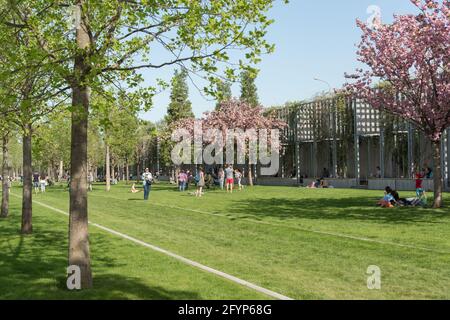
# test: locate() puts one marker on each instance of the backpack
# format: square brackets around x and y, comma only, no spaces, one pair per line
[197,178]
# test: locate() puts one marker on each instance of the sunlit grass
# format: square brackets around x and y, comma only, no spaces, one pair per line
[306,244]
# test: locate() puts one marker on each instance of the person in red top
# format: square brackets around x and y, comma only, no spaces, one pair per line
[419,181]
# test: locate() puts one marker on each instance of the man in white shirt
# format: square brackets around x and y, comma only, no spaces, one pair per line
[147,182]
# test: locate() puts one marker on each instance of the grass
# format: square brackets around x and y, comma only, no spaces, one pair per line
[306,244]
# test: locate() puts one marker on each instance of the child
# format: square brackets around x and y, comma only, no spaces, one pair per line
[238,176]
[419,181]
[388,199]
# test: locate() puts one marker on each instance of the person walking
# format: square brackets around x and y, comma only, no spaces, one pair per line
[200,183]
[147,182]
[229,175]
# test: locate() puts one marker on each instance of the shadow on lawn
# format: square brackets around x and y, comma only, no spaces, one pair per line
[33,267]
[335,209]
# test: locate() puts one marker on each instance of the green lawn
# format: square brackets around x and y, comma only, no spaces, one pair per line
[305,244]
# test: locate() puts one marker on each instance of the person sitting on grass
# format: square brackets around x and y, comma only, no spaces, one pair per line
[388,200]
[324,184]
[313,184]
[133,189]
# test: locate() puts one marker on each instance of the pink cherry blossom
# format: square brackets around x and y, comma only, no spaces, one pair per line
[410,61]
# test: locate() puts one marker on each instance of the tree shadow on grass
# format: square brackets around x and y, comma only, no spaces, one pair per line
[350,208]
[33,267]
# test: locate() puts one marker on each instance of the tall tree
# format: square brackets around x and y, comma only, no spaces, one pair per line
[249,91]
[179,107]
[223,93]
[32,91]
[5,133]
[410,57]
[112,42]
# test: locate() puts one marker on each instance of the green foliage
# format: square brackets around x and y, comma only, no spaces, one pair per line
[223,92]
[52,141]
[180,107]
[123,34]
[249,91]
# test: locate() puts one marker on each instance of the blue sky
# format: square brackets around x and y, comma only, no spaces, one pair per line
[314,39]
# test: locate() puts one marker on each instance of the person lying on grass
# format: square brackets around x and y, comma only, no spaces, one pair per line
[419,200]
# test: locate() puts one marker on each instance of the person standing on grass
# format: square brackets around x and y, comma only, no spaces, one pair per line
[36,177]
[229,174]
[90,181]
[221,176]
[419,182]
[200,183]
[147,182]
[42,183]
[182,177]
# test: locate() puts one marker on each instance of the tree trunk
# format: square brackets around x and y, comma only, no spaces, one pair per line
[79,254]
[61,170]
[249,175]
[108,169]
[127,172]
[5,175]
[438,184]
[113,171]
[27,192]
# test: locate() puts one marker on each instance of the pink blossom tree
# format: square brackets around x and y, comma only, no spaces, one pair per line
[233,114]
[410,61]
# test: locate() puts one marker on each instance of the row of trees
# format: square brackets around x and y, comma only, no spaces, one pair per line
[79,56]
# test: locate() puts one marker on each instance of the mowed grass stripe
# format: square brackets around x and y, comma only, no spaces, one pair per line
[192,263]
[34,266]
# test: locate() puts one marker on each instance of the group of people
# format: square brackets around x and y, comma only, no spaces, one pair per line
[225,178]
[392,199]
[40,182]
